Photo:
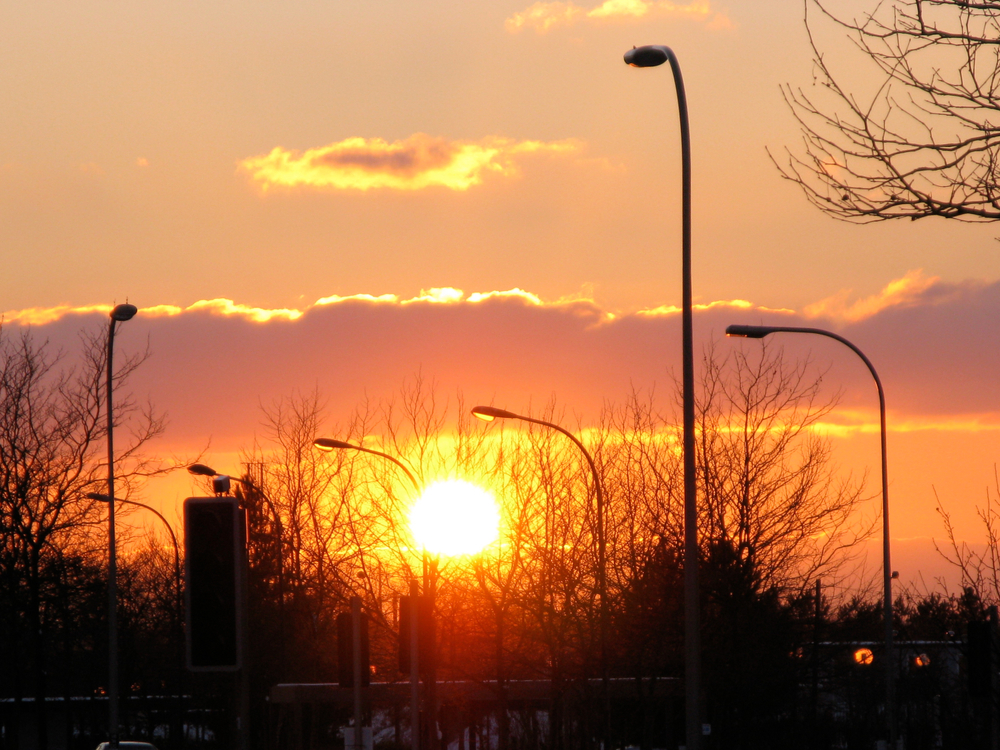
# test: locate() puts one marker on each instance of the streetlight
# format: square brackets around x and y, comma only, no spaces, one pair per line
[759,332]
[119,314]
[103,498]
[220,485]
[490,413]
[329,444]
[647,57]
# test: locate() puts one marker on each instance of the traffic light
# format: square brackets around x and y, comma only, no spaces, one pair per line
[214,557]
[425,633]
[345,650]
[979,658]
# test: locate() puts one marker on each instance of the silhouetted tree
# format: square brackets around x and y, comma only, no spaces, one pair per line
[769,488]
[912,132]
[52,452]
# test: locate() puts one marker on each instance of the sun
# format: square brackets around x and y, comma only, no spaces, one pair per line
[455,517]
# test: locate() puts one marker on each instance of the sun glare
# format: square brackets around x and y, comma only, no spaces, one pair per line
[455,517]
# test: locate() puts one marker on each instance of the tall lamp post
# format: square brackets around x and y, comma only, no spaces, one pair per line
[119,314]
[329,444]
[759,332]
[648,57]
[201,470]
[490,413]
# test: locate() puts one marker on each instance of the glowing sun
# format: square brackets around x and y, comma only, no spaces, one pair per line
[455,517]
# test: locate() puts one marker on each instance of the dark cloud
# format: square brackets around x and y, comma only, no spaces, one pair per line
[411,156]
[212,372]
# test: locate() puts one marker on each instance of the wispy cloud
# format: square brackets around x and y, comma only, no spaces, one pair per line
[723,304]
[334,299]
[418,162]
[227,308]
[36,316]
[224,308]
[438,295]
[39,316]
[905,292]
[543,16]
[526,297]
[867,423]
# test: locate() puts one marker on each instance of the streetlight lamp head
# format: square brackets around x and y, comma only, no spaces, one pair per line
[201,470]
[748,332]
[329,444]
[489,413]
[99,496]
[648,56]
[121,313]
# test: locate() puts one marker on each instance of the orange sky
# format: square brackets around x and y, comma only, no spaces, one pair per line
[215,363]
[320,164]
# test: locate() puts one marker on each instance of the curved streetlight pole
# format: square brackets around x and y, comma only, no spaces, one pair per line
[648,57]
[759,332]
[490,413]
[103,498]
[329,444]
[120,314]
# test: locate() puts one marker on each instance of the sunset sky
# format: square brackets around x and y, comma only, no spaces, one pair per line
[334,195]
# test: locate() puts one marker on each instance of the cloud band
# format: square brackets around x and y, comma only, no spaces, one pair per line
[416,163]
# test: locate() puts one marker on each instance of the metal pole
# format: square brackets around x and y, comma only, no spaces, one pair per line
[120,313]
[415,723]
[489,413]
[244,615]
[890,665]
[414,666]
[357,667]
[692,616]
[602,578]
[112,557]
[645,57]
[431,694]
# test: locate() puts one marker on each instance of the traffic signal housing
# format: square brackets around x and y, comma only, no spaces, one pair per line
[980,658]
[214,563]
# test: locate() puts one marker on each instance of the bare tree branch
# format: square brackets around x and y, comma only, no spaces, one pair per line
[924,138]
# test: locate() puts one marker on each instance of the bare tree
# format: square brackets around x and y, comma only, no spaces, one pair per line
[52,443]
[978,565]
[771,490]
[919,137]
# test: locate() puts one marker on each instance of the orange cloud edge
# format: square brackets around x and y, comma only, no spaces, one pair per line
[544,16]
[434,296]
[904,292]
